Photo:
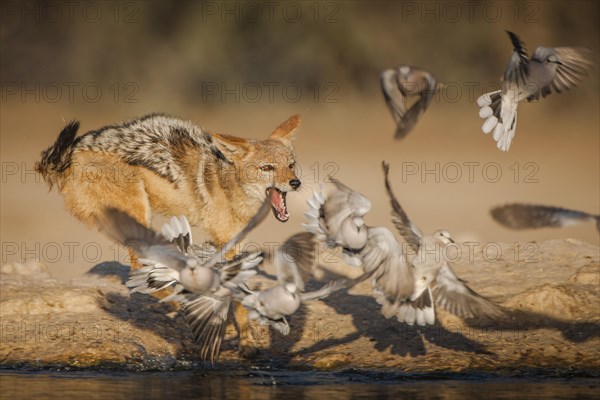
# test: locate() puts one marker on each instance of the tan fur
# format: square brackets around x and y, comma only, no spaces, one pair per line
[219,197]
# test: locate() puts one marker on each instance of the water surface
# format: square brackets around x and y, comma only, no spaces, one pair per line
[260,385]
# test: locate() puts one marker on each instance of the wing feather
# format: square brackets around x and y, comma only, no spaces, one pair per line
[409,231]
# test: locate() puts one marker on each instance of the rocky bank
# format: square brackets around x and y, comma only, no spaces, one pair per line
[551,288]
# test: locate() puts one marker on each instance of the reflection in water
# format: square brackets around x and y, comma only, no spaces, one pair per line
[270,385]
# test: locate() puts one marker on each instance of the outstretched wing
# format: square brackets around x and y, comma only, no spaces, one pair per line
[257,219]
[426,85]
[207,318]
[382,258]
[179,232]
[572,65]
[517,70]
[315,217]
[345,201]
[239,269]
[148,244]
[394,98]
[525,216]
[295,259]
[152,277]
[409,231]
[326,215]
[326,289]
[453,295]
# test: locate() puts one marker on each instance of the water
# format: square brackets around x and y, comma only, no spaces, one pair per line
[284,384]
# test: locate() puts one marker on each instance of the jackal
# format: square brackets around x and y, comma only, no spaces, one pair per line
[165,165]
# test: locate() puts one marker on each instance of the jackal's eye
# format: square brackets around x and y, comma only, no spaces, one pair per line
[292,166]
[267,168]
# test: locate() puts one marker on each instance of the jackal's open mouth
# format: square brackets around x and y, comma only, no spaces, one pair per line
[278,204]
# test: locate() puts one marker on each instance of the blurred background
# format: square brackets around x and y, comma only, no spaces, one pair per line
[243,67]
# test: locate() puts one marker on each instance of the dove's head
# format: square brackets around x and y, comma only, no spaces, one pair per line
[443,236]
[354,232]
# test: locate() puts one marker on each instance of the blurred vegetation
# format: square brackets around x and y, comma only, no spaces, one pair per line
[178,45]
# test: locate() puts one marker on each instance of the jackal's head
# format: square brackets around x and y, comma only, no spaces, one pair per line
[265,167]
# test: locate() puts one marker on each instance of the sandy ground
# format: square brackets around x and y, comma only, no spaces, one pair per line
[550,327]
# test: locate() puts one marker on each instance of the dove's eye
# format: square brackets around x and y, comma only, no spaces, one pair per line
[267,167]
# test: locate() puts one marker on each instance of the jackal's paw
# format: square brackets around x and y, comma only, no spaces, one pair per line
[248,351]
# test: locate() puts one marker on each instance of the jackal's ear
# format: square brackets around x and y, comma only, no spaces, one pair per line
[230,147]
[288,129]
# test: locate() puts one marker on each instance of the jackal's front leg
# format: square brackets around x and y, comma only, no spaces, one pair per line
[251,336]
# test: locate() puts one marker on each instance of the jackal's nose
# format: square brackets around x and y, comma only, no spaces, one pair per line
[295,183]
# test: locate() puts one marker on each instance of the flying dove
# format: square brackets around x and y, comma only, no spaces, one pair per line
[548,70]
[398,84]
[525,216]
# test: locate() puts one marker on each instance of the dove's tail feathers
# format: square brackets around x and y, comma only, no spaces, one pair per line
[420,311]
[500,113]
[152,277]
[207,318]
[526,216]
[489,104]
[179,232]
[504,132]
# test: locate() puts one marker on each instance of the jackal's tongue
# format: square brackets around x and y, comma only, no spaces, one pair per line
[278,203]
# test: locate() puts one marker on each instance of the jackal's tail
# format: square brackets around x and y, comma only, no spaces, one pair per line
[57,158]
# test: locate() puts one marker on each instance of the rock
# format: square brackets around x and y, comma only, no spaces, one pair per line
[587,275]
[558,301]
[93,322]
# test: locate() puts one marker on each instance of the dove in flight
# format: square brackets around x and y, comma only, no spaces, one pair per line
[550,69]
[339,221]
[526,216]
[377,252]
[435,281]
[398,84]
[201,277]
[294,261]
